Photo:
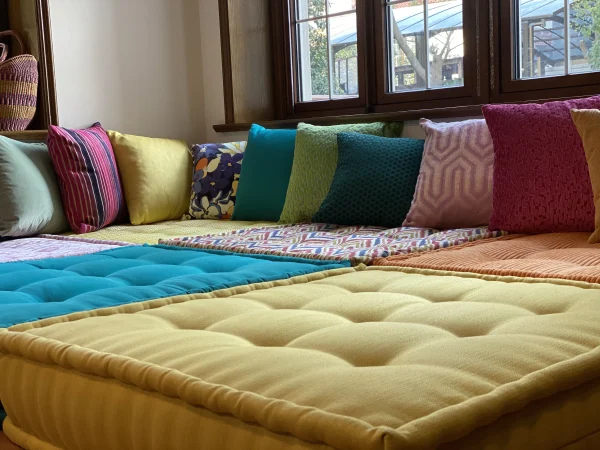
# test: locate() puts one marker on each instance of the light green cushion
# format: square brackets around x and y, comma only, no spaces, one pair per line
[30,202]
[315,161]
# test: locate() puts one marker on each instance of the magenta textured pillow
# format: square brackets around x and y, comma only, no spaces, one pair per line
[455,183]
[88,177]
[541,178]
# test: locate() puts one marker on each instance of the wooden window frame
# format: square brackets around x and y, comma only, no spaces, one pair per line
[489,72]
[475,89]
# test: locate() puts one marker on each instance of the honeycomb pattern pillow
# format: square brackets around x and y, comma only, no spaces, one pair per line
[541,178]
[217,169]
[455,183]
[587,122]
[374,183]
[315,160]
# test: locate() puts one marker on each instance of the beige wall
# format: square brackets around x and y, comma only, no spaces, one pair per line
[133,65]
[149,67]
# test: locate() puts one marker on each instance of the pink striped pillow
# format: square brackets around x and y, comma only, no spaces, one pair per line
[89,180]
[455,184]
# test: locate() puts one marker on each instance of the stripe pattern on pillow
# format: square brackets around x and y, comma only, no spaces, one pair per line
[89,180]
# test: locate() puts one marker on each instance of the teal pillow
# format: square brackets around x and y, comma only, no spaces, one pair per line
[265,175]
[374,183]
[315,160]
[30,202]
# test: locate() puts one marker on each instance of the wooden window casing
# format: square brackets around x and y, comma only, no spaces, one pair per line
[489,31]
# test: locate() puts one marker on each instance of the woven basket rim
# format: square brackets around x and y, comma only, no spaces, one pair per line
[16,58]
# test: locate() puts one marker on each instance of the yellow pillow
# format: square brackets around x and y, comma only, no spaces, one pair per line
[587,122]
[156,175]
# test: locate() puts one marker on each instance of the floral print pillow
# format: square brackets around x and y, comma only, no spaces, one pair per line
[217,169]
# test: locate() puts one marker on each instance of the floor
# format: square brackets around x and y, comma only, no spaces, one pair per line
[5,444]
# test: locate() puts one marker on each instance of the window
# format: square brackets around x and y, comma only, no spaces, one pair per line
[425,44]
[326,39]
[357,56]
[438,58]
[548,49]
[551,46]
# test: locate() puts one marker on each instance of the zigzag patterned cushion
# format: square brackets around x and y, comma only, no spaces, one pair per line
[88,177]
[456,180]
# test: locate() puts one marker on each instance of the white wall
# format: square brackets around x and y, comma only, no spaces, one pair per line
[133,65]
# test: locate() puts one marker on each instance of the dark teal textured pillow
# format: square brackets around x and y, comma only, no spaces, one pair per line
[374,183]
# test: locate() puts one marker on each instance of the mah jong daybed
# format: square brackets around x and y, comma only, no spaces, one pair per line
[351,359]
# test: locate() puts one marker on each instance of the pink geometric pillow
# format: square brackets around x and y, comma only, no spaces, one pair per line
[88,177]
[454,189]
[541,178]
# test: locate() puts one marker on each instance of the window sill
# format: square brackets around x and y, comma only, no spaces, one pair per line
[441,113]
[27,135]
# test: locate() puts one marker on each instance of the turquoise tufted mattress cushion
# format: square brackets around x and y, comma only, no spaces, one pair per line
[35,290]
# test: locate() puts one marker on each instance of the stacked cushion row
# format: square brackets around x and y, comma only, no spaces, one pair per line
[89,179]
[522,169]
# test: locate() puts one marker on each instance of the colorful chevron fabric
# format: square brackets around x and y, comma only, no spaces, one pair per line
[88,177]
[456,179]
[359,244]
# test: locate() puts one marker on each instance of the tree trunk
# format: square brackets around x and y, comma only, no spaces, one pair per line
[419,70]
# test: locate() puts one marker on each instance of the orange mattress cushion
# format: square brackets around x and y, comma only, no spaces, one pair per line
[557,255]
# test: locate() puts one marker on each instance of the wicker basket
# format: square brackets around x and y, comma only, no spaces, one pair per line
[18,87]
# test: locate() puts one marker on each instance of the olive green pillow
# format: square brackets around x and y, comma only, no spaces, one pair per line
[315,161]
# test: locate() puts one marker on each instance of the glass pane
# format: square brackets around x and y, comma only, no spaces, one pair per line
[585,35]
[407,47]
[313,61]
[343,49]
[310,8]
[338,6]
[446,44]
[542,36]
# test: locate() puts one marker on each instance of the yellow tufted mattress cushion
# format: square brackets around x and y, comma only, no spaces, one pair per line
[371,359]
[150,234]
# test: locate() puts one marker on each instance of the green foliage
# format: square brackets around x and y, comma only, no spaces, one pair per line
[587,13]
[319,53]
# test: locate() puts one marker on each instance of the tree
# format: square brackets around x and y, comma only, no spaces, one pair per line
[319,53]
[587,15]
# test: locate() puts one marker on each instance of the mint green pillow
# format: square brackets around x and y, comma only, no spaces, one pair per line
[315,161]
[30,203]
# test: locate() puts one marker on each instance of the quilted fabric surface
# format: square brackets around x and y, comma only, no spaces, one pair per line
[359,244]
[43,248]
[36,290]
[371,360]
[565,256]
[151,234]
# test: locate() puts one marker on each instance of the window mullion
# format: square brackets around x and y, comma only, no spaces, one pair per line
[426,32]
[567,39]
[329,52]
